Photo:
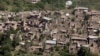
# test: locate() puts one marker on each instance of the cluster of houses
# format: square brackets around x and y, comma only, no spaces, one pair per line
[43,30]
[87,24]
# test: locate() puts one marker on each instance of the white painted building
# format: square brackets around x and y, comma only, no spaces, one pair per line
[92,37]
[52,42]
[47,18]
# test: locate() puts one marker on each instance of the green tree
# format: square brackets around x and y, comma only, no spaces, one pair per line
[98,41]
[85,52]
[3,6]
[6,45]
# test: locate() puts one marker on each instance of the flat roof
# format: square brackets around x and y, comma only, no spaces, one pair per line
[50,42]
[92,37]
[54,31]
[47,18]
[85,45]
[78,38]
[84,8]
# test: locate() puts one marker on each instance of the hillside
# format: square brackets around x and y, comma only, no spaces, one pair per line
[92,4]
[23,5]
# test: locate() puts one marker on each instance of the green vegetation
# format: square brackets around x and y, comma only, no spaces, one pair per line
[92,4]
[12,5]
[65,52]
[6,45]
[85,52]
[22,5]
[98,41]
[52,4]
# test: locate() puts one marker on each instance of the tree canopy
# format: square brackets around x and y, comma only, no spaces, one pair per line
[23,5]
[92,4]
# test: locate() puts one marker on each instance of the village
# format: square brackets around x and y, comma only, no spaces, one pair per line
[41,31]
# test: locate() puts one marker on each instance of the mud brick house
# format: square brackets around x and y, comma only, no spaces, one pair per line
[78,41]
[93,22]
[93,44]
[80,11]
